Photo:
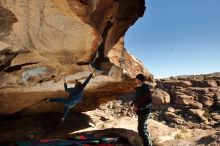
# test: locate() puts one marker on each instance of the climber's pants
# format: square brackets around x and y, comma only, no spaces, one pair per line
[60,100]
[67,104]
[142,127]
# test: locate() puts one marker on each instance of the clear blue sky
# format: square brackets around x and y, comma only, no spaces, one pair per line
[177,37]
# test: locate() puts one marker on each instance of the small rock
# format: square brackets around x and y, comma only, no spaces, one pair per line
[217,96]
[172,117]
[218,82]
[200,90]
[177,83]
[202,83]
[211,83]
[216,116]
[196,112]
[170,109]
[183,99]
[218,104]
[199,113]
[195,105]
[212,123]
[205,120]
[206,101]
[173,125]
[198,83]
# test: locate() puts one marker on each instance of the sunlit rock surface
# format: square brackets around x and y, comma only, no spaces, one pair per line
[43,41]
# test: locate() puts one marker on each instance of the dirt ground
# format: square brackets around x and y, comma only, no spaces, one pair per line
[47,126]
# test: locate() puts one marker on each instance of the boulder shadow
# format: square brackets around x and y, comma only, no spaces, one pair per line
[45,126]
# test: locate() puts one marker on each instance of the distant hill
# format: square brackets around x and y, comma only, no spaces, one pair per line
[215,74]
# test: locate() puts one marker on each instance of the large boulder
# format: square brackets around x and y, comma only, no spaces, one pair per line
[200,90]
[206,100]
[216,116]
[217,99]
[183,99]
[43,41]
[171,117]
[176,83]
[195,105]
[211,83]
[217,96]
[204,83]
[131,65]
[198,113]
[160,97]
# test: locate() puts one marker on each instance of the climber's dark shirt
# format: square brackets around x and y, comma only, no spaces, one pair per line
[142,97]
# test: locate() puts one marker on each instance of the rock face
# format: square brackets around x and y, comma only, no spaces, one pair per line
[44,40]
[183,99]
[195,97]
[160,97]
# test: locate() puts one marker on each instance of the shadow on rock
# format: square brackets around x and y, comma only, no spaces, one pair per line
[210,140]
[46,126]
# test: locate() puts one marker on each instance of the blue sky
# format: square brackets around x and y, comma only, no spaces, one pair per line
[177,37]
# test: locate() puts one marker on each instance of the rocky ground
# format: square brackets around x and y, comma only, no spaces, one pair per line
[190,103]
[43,41]
[193,101]
[185,112]
[113,117]
[163,132]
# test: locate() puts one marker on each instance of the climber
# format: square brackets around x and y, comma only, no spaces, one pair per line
[75,95]
[142,106]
